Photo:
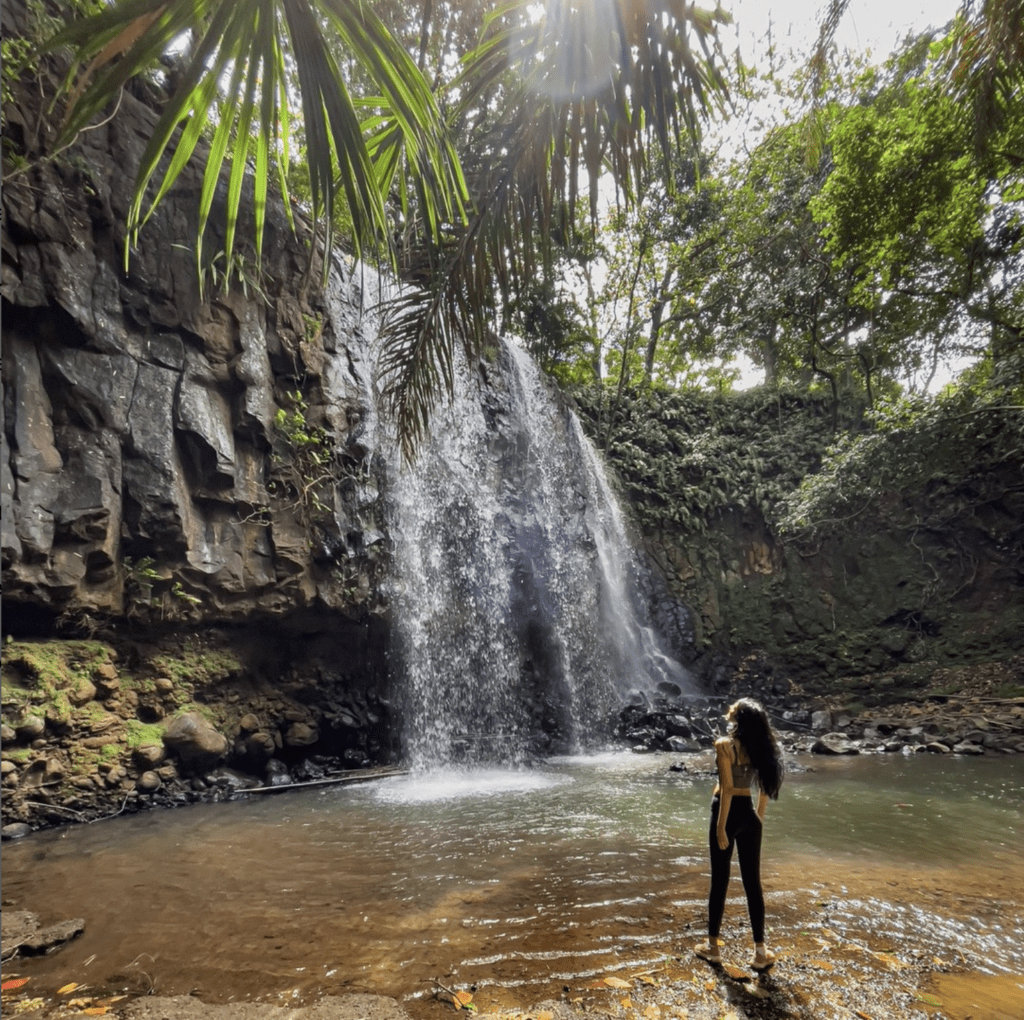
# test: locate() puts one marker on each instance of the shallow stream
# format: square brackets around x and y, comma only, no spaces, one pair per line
[524,881]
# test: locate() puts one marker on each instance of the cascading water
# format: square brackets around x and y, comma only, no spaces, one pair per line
[517,614]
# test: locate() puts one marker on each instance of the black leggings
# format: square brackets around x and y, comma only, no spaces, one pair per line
[743,828]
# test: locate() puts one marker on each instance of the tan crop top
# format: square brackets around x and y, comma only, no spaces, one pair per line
[743,772]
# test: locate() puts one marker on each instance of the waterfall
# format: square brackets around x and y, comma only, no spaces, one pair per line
[518,616]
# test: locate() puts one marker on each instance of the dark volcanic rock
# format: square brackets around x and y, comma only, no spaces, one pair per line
[196,743]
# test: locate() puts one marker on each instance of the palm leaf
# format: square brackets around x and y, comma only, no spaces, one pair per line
[249,44]
[576,94]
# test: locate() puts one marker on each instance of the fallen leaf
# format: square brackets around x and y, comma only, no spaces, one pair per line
[626,1003]
[68,988]
[894,963]
[9,986]
[652,1012]
[463,998]
[710,984]
[820,964]
[863,1016]
[95,1010]
[617,982]
[928,1000]
[546,1015]
[80,1003]
[647,979]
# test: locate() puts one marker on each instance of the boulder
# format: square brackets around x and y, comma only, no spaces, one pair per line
[300,734]
[967,748]
[821,721]
[834,743]
[196,742]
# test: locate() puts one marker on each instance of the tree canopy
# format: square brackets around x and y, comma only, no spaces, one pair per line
[546,168]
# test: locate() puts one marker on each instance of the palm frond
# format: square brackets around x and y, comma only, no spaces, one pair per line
[597,90]
[248,43]
[985,66]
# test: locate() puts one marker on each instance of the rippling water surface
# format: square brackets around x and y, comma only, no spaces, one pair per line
[515,878]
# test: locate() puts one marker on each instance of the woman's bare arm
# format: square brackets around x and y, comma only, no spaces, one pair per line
[723,751]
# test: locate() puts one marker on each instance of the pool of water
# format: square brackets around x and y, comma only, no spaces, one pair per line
[524,879]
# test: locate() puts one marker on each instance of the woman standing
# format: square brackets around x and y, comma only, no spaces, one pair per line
[750,753]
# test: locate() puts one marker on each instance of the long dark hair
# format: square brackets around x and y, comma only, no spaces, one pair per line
[750,726]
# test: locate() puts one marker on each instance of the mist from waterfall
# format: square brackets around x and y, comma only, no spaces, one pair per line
[517,611]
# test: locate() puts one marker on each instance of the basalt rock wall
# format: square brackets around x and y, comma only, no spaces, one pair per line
[156,440]
[192,518]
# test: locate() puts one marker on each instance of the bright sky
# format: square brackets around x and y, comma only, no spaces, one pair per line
[868,24]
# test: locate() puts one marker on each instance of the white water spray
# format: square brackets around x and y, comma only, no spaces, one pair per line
[516,601]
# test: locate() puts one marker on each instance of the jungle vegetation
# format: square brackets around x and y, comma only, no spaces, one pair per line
[547,171]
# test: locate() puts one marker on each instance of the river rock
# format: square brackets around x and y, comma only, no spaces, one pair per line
[30,727]
[936,747]
[277,773]
[231,779]
[197,744]
[300,734]
[677,726]
[149,754]
[249,723]
[148,782]
[967,748]
[259,748]
[15,830]
[834,743]
[82,692]
[7,734]
[821,721]
[680,745]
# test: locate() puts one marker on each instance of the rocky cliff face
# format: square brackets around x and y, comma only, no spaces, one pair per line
[190,484]
[156,442]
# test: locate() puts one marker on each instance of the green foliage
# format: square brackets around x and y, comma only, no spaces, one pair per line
[305,459]
[245,57]
[926,460]
[19,55]
[685,458]
[139,734]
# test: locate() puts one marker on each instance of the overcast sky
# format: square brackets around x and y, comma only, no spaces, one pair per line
[868,24]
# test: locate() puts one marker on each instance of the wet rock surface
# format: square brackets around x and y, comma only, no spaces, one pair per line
[21,934]
[972,721]
[96,732]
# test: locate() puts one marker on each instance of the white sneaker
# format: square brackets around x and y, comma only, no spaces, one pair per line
[762,960]
[709,951]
